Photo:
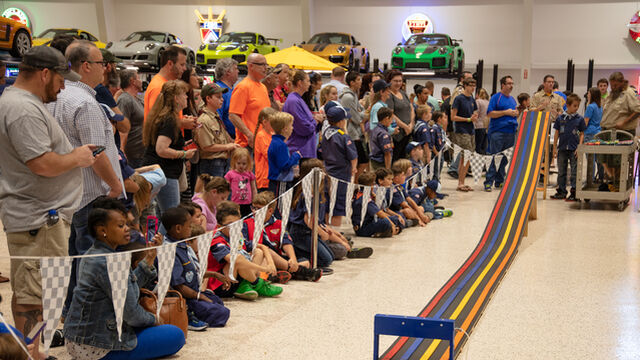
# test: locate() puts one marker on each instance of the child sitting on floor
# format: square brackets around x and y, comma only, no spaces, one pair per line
[401,202]
[384,178]
[247,268]
[376,223]
[416,152]
[204,306]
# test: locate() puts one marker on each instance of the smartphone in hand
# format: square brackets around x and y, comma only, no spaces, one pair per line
[98,150]
[152,228]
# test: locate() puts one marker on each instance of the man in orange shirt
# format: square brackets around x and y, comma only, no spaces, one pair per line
[173,63]
[249,97]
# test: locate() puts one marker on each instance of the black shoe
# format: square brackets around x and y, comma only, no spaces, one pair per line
[603,187]
[559,196]
[571,197]
[307,274]
[326,271]
[360,253]
[58,339]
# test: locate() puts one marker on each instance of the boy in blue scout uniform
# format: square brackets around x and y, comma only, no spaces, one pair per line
[570,127]
[380,144]
[205,306]
[340,156]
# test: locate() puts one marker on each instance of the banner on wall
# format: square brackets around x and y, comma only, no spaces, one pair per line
[634,27]
[210,26]
[416,23]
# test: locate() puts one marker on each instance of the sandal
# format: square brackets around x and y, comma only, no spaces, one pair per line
[462,188]
[469,188]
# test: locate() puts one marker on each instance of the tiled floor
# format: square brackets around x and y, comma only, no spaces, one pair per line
[572,291]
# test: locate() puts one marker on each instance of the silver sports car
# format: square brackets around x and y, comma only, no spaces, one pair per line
[144,48]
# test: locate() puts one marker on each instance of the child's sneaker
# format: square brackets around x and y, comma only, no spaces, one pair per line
[447,213]
[559,196]
[304,273]
[499,186]
[487,187]
[196,324]
[264,288]
[281,277]
[245,291]
[360,253]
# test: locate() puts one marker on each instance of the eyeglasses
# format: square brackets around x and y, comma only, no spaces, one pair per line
[259,64]
[104,63]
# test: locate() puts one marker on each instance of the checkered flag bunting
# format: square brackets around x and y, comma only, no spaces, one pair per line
[456,151]
[333,191]
[166,258]
[467,156]
[236,240]
[508,154]
[258,226]
[348,206]
[476,166]
[307,190]
[497,159]
[204,246]
[119,267]
[432,169]
[55,280]
[366,195]
[380,192]
[286,208]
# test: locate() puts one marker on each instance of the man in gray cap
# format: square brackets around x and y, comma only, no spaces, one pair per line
[41,182]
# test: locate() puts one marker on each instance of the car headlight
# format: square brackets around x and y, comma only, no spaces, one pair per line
[109,44]
[243,47]
[342,49]
[442,50]
[149,46]
[202,47]
[397,50]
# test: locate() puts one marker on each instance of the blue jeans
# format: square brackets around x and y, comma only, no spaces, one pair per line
[481,141]
[169,195]
[498,142]
[380,227]
[153,342]
[214,167]
[566,157]
[598,171]
[301,236]
[453,166]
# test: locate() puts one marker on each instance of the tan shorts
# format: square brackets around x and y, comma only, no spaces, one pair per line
[466,141]
[26,280]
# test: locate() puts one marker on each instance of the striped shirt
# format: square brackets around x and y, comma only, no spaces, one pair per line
[84,122]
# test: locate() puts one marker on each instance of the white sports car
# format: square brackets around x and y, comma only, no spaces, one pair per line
[144,48]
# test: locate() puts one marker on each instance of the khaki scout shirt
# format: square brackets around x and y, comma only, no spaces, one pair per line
[552,101]
[619,109]
[211,132]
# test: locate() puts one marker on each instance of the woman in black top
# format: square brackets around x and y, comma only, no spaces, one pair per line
[164,141]
[403,114]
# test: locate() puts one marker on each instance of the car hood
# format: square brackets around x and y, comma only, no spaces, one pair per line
[325,48]
[132,46]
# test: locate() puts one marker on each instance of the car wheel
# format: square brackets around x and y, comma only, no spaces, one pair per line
[21,44]
[191,59]
[350,62]
[159,61]
[460,68]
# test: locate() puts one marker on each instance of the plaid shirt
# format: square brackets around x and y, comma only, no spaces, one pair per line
[84,122]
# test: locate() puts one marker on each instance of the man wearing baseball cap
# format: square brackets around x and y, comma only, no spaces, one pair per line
[212,137]
[105,97]
[41,183]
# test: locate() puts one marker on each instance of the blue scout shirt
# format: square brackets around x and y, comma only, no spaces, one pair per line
[296,216]
[418,194]
[569,126]
[224,110]
[594,113]
[370,214]
[185,271]
[465,105]
[379,143]
[436,136]
[337,152]
[399,196]
[416,166]
[421,133]
[503,124]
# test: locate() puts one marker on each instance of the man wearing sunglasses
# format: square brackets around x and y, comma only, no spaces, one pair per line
[249,97]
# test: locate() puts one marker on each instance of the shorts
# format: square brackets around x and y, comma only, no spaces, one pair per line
[466,141]
[375,165]
[26,280]
[362,154]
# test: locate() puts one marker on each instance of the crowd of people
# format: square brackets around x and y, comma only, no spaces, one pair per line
[90,158]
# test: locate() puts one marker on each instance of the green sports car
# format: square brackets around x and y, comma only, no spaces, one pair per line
[437,52]
[235,45]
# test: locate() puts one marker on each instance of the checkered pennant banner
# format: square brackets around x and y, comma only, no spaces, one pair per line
[508,154]
[236,240]
[488,159]
[412,181]
[119,267]
[380,192]
[497,159]
[55,280]
[467,156]
[307,190]
[204,246]
[456,151]
[476,166]
[258,226]
[285,200]
[432,169]
[366,196]
[333,191]
[348,206]
[166,259]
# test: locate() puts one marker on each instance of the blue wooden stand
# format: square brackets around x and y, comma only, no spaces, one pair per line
[415,327]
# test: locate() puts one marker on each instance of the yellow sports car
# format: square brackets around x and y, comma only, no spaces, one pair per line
[339,48]
[14,37]
[46,36]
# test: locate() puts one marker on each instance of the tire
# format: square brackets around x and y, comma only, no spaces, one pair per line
[460,67]
[21,44]
[350,66]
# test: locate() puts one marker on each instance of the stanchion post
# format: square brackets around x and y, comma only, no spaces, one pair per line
[315,210]
[376,65]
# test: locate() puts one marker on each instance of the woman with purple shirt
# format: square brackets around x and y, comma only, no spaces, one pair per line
[304,137]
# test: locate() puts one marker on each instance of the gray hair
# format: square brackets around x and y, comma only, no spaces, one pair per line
[78,52]
[223,66]
[126,76]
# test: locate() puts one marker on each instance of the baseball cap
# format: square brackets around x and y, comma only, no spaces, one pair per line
[412,145]
[45,57]
[379,85]
[335,111]
[211,89]
[111,114]
[108,57]
[434,185]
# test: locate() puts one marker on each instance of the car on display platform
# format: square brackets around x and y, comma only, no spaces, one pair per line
[46,36]
[339,48]
[235,45]
[437,52]
[143,49]
[15,37]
